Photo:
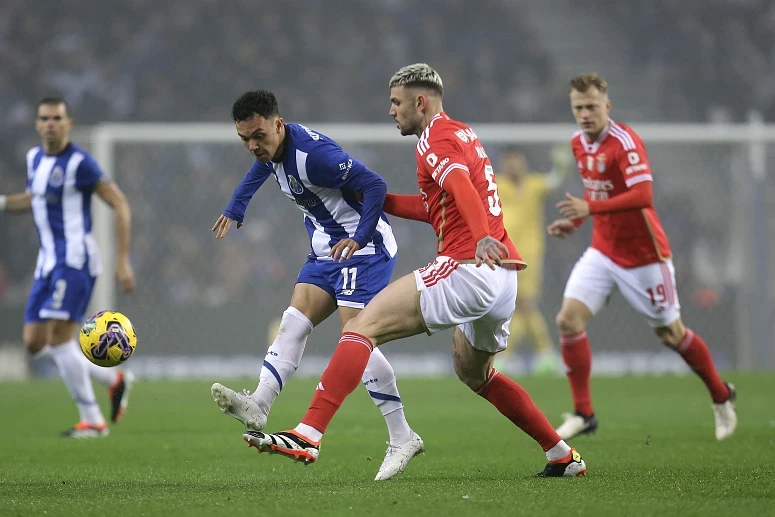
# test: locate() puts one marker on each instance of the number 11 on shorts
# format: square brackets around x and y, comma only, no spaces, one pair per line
[349,274]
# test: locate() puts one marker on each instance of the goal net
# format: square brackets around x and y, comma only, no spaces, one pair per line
[199,299]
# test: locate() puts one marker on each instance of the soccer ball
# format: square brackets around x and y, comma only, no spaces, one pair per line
[108,338]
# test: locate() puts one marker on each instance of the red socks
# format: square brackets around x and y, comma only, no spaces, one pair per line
[515,403]
[577,357]
[696,354]
[343,374]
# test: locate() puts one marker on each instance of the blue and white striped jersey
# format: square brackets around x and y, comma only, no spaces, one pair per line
[322,180]
[61,188]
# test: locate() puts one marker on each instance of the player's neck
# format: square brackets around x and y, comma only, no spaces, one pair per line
[54,148]
[427,117]
[593,137]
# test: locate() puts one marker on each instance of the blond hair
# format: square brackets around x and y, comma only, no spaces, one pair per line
[418,74]
[582,83]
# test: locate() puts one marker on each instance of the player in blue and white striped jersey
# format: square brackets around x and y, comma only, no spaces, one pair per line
[61,179]
[351,259]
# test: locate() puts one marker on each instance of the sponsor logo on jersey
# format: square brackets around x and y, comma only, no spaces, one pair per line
[57,178]
[346,167]
[632,169]
[306,203]
[296,187]
[466,135]
[437,170]
[598,185]
[601,163]
[432,159]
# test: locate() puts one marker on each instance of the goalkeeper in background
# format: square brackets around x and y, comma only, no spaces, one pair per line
[523,194]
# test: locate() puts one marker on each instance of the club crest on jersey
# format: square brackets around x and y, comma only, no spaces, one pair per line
[57,178]
[296,187]
[601,163]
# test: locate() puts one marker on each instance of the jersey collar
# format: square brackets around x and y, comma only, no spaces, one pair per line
[594,146]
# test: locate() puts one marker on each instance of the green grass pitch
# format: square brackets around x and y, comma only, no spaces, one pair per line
[175,454]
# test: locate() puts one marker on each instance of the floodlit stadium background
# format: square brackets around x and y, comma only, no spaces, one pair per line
[204,307]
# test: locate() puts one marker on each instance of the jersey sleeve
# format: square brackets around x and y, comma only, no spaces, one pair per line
[244,192]
[330,167]
[633,161]
[88,174]
[442,157]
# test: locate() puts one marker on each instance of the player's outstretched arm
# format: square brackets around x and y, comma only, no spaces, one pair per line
[21,202]
[563,228]
[112,195]
[238,204]
[406,206]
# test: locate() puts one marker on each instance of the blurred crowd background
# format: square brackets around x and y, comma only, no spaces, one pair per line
[502,61]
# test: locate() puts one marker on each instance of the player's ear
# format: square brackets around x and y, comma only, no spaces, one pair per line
[278,124]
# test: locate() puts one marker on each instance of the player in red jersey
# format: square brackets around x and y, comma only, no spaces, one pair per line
[459,197]
[629,251]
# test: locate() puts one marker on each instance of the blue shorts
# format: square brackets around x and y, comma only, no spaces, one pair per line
[352,283]
[63,295]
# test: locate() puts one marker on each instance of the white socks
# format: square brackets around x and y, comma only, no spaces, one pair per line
[73,370]
[282,358]
[105,376]
[558,452]
[380,381]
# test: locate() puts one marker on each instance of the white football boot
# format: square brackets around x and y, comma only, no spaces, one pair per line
[239,406]
[726,415]
[398,456]
[575,424]
[83,430]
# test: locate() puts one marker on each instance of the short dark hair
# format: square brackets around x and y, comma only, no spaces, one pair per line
[53,101]
[256,102]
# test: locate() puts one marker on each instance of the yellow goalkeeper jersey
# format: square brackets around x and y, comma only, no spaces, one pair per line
[523,211]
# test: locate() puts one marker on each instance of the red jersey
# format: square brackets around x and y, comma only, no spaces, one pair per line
[609,167]
[444,146]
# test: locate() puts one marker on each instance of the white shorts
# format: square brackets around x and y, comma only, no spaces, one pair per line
[478,300]
[650,289]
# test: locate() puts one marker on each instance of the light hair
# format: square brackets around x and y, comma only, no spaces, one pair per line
[582,83]
[418,75]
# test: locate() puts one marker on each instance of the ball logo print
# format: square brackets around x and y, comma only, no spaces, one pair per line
[108,338]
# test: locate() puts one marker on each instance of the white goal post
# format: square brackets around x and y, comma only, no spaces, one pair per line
[753,137]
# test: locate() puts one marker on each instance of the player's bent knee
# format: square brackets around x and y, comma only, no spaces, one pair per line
[671,335]
[473,378]
[569,323]
[34,339]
